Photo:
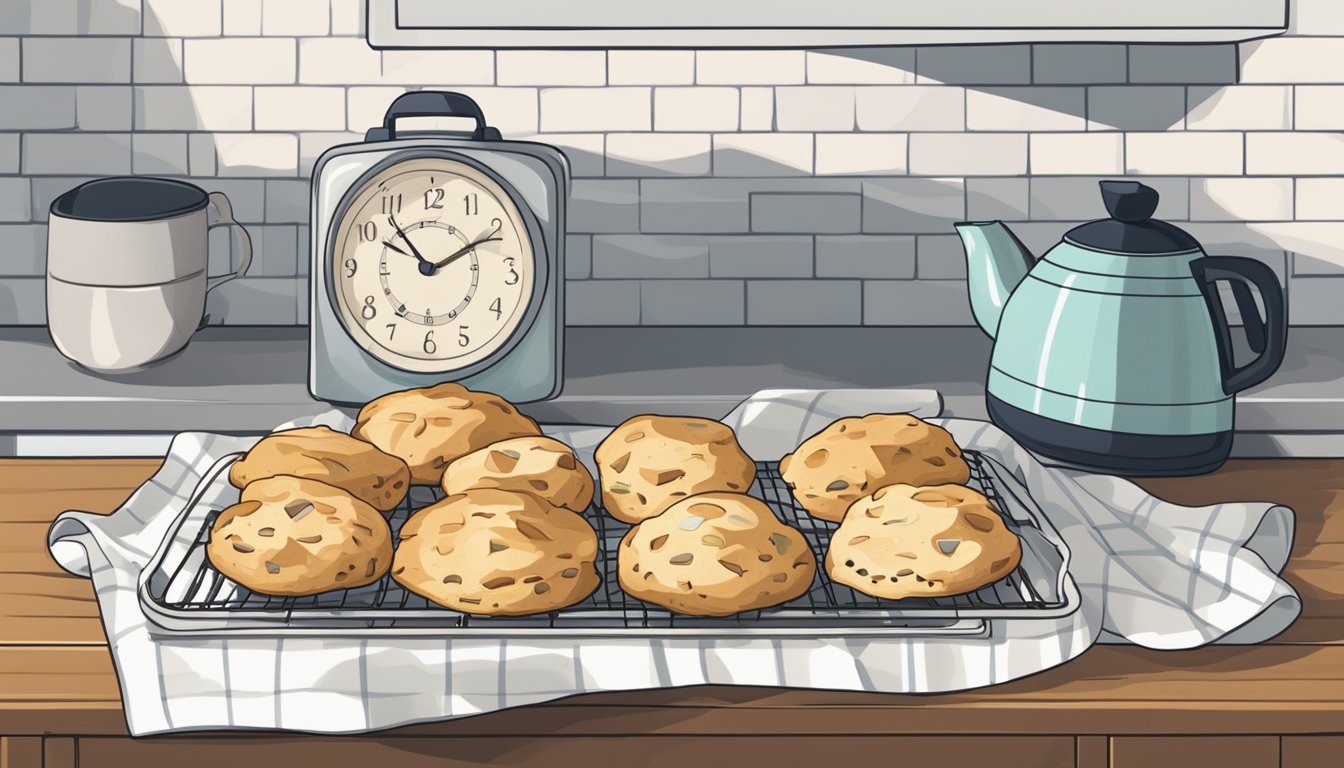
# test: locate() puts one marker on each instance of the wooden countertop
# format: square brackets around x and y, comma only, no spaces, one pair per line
[56,675]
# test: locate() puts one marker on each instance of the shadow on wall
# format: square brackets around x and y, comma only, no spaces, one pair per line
[824,230]
[105,17]
[22,302]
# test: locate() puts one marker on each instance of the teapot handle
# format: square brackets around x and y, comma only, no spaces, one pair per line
[1269,338]
[1250,316]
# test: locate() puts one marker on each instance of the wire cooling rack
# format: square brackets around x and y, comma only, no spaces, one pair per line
[184,593]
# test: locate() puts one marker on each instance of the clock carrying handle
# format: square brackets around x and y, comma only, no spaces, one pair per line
[432,104]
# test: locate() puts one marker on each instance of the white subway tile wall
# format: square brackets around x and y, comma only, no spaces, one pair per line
[765,187]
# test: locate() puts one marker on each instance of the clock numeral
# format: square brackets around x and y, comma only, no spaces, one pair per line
[462,338]
[472,203]
[433,198]
[350,267]
[369,311]
[392,203]
[430,347]
[512,279]
[494,307]
[368,232]
[497,225]
[391,331]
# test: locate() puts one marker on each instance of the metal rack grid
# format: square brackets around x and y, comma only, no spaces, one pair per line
[184,591]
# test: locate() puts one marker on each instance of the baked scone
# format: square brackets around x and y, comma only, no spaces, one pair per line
[292,536]
[497,553]
[853,457]
[905,541]
[427,428]
[538,466]
[715,554]
[649,463]
[334,458]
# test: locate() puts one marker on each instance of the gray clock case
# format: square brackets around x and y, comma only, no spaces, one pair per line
[528,366]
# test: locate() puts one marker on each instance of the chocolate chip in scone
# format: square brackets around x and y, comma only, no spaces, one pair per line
[661,476]
[531,531]
[502,461]
[979,522]
[734,567]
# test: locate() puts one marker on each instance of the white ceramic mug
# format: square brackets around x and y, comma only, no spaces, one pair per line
[126,269]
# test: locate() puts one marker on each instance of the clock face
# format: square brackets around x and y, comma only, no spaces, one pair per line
[432,265]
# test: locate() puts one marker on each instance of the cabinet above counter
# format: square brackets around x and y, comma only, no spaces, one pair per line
[248,380]
[768,24]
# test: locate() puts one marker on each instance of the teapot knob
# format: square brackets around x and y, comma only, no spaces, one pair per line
[1129,201]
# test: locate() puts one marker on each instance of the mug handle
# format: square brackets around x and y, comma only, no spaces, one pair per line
[221,203]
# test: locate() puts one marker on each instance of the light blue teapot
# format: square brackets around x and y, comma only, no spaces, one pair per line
[1112,353]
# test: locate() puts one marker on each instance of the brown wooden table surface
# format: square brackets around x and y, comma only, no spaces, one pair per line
[1279,703]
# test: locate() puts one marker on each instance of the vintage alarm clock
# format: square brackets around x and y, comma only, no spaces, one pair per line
[437,256]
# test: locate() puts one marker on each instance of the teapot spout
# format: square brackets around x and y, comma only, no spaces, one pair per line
[996,261]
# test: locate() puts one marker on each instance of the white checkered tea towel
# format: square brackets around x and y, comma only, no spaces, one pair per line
[1146,571]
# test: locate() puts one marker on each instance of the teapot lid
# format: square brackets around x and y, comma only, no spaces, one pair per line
[1131,228]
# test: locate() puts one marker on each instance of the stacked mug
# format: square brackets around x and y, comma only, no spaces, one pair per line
[126,269]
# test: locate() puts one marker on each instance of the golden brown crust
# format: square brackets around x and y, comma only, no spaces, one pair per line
[852,457]
[334,458]
[494,552]
[293,536]
[905,541]
[538,466]
[715,554]
[650,463]
[428,428]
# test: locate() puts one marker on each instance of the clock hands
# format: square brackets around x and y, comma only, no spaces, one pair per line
[464,250]
[426,267]
[394,247]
